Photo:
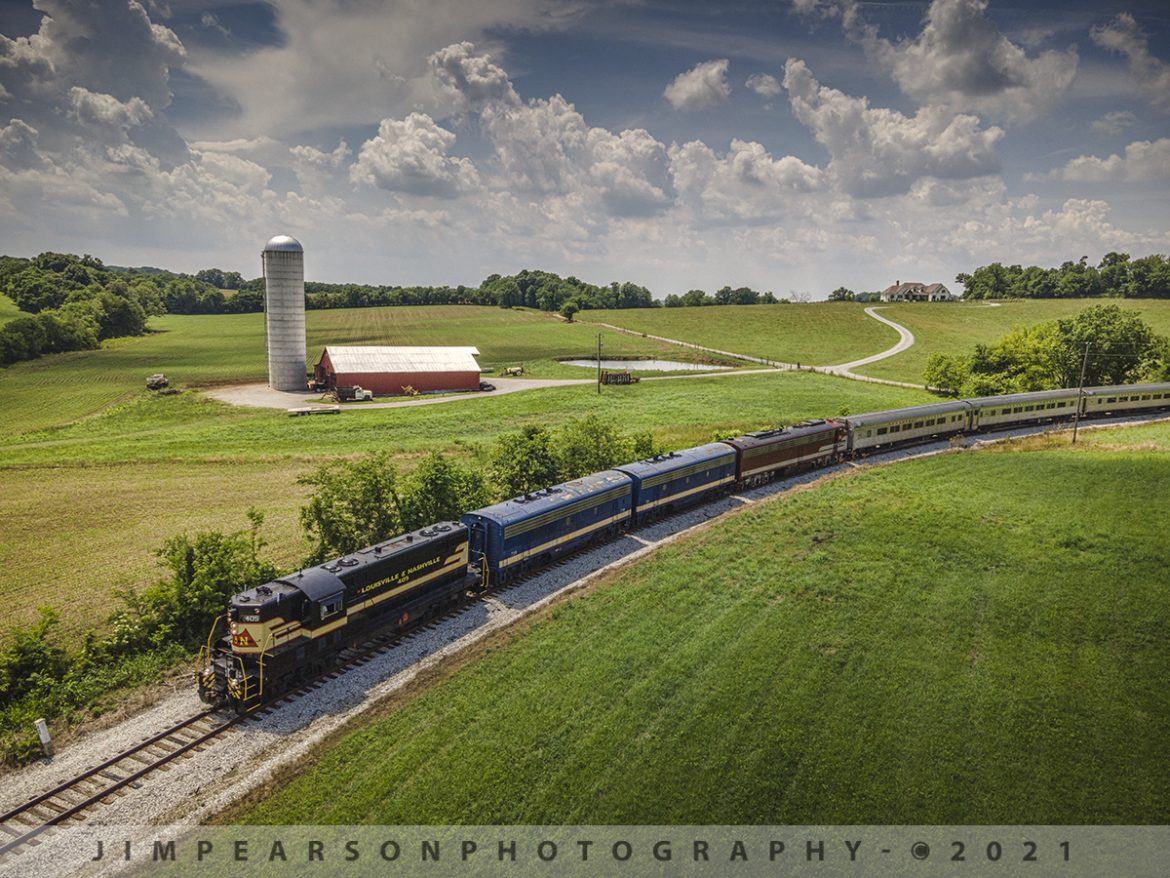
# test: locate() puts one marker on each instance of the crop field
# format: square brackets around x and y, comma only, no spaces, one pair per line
[822,334]
[200,350]
[115,485]
[968,638]
[955,328]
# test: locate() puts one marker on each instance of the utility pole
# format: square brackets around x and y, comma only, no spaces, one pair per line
[599,363]
[1080,391]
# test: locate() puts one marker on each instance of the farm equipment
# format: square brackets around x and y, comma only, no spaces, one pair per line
[513,371]
[157,381]
[614,376]
[353,394]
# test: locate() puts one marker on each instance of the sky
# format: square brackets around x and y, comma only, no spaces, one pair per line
[788,145]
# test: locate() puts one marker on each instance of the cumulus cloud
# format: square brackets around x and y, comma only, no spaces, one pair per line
[746,183]
[961,60]
[1114,122]
[877,151]
[1123,35]
[702,86]
[410,155]
[107,48]
[544,147]
[472,76]
[354,62]
[1144,161]
[106,111]
[630,170]
[765,85]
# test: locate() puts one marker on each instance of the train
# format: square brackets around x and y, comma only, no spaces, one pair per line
[282,634]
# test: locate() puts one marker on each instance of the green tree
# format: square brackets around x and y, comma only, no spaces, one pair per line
[525,461]
[1120,345]
[945,373]
[841,294]
[205,570]
[569,309]
[29,660]
[589,445]
[440,489]
[354,504]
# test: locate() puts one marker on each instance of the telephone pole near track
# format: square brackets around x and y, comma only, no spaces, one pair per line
[599,363]
[1080,392]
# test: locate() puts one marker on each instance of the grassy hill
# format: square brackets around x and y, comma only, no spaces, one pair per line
[963,639]
[813,335]
[957,328]
[827,333]
[8,309]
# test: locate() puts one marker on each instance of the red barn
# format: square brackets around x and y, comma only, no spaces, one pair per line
[387,370]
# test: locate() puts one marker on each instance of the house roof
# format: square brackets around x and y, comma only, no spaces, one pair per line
[402,359]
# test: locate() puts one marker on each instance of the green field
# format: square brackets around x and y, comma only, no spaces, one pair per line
[8,309]
[963,639]
[221,349]
[956,328]
[117,484]
[822,334]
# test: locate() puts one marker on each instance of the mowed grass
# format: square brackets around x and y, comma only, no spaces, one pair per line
[679,412]
[822,334]
[73,537]
[955,328]
[93,500]
[8,309]
[201,350]
[964,639]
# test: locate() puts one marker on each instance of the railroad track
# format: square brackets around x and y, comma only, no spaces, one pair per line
[24,825]
[98,784]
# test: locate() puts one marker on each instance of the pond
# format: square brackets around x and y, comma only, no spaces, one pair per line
[647,365]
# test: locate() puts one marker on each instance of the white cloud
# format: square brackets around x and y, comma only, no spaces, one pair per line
[744,184]
[877,151]
[546,149]
[106,111]
[961,60]
[1152,74]
[106,48]
[1144,161]
[472,76]
[1114,122]
[765,85]
[702,86]
[344,62]
[411,156]
[630,170]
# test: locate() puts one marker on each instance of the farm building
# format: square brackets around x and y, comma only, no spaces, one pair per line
[389,370]
[916,292]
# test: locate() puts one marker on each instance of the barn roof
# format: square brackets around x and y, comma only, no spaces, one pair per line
[402,359]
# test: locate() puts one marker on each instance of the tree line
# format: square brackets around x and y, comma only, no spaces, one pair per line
[1111,345]
[1116,275]
[353,504]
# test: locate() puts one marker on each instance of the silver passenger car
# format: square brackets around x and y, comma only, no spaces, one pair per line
[990,412]
[878,429]
[1126,398]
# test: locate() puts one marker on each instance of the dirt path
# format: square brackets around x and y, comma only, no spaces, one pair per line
[905,340]
[263,396]
[844,370]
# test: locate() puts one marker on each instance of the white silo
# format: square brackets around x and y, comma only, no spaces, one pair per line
[284,309]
